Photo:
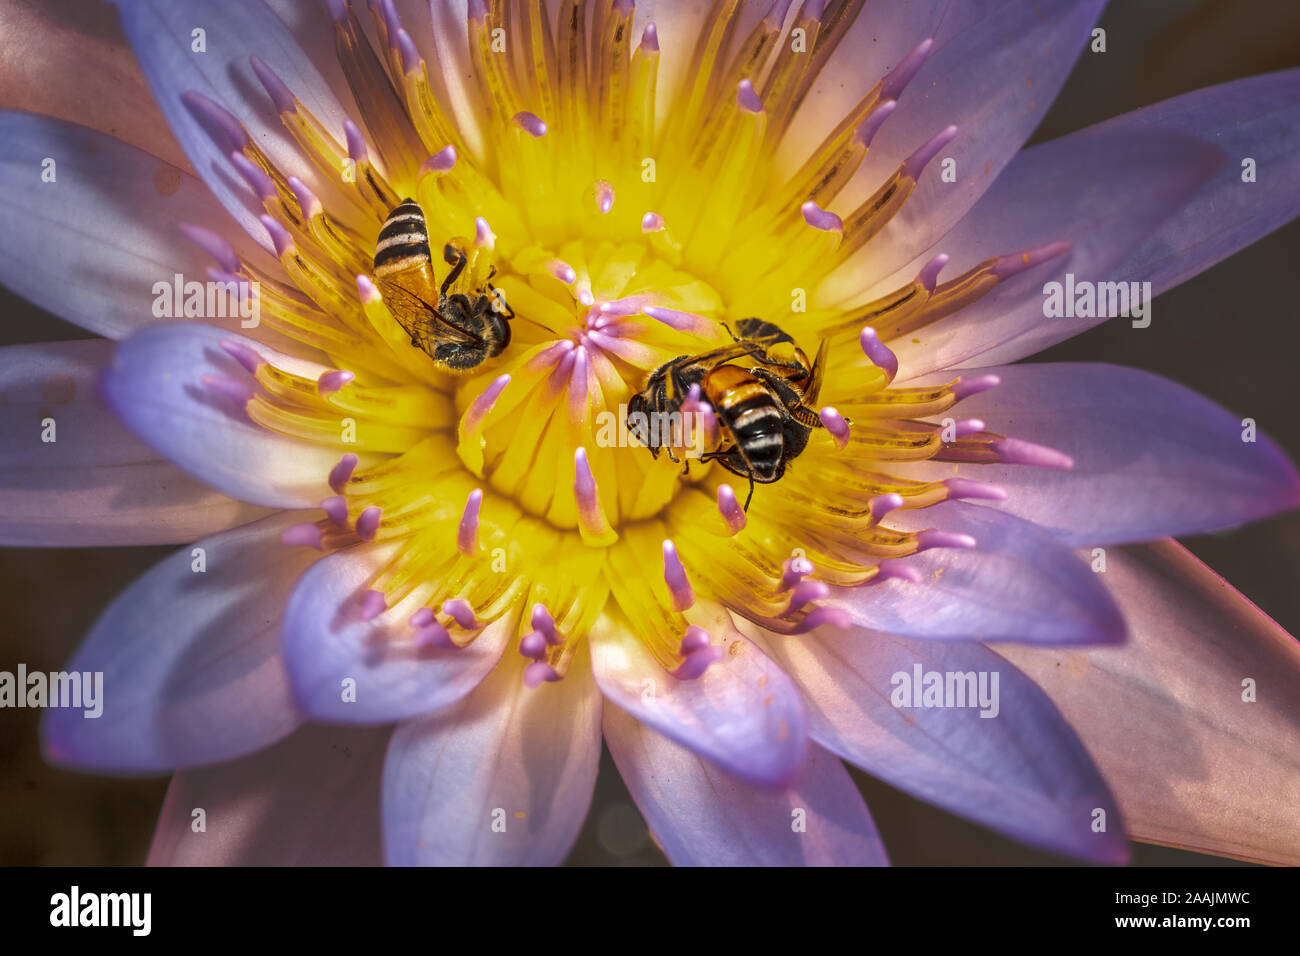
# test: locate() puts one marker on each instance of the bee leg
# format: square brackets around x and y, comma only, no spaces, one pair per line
[455,258]
[790,398]
[749,497]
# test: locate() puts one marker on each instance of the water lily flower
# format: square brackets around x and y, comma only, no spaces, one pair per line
[410,603]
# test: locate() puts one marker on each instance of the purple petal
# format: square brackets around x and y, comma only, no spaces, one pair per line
[96,483]
[311,800]
[1103,190]
[743,713]
[503,777]
[1151,458]
[160,33]
[1019,583]
[994,71]
[1021,771]
[326,643]
[1256,118]
[1196,721]
[90,246]
[702,816]
[156,385]
[190,659]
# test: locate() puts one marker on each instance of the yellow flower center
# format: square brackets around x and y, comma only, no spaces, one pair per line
[624,233]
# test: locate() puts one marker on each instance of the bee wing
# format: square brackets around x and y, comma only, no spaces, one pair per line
[724,353]
[818,373]
[806,411]
[404,303]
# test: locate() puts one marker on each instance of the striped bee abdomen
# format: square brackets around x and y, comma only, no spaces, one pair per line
[404,240]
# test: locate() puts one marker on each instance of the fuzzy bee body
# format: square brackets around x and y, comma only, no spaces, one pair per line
[762,388]
[749,412]
[458,330]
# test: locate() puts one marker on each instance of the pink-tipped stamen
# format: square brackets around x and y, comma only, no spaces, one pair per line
[240,393]
[1009,265]
[794,570]
[530,123]
[878,352]
[336,508]
[256,177]
[805,592]
[870,126]
[562,271]
[733,516]
[681,321]
[821,219]
[897,79]
[1017,451]
[307,201]
[482,406]
[891,569]
[367,291]
[341,473]
[533,645]
[357,150]
[835,425]
[679,585]
[914,164]
[540,672]
[305,535]
[698,653]
[368,523]
[650,38]
[544,624]
[275,87]
[928,277]
[217,121]
[823,616]
[441,162]
[211,243]
[407,51]
[433,634]
[882,505]
[460,611]
[245,355]
[467,533]
[965,386]
[591,518]
[935,538]
[373,604]
[280,237]
[747,99]
[969,488]
[333,380]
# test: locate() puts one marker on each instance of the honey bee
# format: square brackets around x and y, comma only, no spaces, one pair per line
[458,331]
[765,404]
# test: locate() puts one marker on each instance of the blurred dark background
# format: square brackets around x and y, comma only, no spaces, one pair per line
[1230,333]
